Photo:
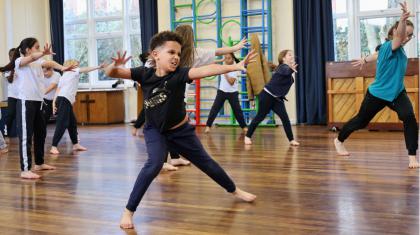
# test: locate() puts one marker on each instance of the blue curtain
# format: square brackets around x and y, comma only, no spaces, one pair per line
[148,21]
[314,45]
[57,30]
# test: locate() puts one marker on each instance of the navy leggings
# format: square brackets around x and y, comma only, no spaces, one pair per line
[184,140]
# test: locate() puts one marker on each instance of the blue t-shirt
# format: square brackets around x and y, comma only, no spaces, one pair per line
[390,71]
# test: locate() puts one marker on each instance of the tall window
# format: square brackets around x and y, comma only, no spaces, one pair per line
[360,26]
[94,30]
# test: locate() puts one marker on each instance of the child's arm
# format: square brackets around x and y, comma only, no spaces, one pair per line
[51,88]
[400,35]
[216,69]
[116,69]
[90,69]
[36,55]
[54,106]
[227,50]
[367,59]
[57,66]
[231,80]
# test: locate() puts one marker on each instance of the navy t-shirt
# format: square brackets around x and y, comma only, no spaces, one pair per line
[281,81]
[163,96]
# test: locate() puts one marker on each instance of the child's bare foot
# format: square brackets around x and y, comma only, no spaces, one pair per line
[134,131]
[339,147]
[126,221]
[245,130]
[43,167]
[5,150]
[248,197]
[247,140]
[169,167]
[54,150]
[207,130]
[78,147]
[294,143]
[29,175]
[180,162]
[413,162]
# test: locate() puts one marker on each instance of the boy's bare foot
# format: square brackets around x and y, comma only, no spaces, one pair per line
[247,140]
[134,131]
[294,143]
[339,147]
[78,147]
[29,175]
[43,167]
[413,162]
[126,221]
[169,167]
[248,197]
[54,150]
[5,150]
[180,162]
[207,130]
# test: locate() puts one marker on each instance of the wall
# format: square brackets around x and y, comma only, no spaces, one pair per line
[20,19]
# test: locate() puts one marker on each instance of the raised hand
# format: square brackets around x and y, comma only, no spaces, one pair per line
[120,60]
[47,49]
[240,44]
[247,60]
[405,13]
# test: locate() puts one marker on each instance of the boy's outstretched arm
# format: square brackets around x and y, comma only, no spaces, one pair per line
[116,69]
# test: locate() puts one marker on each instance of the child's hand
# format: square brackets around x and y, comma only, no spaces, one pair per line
[293,66]
[240,44]
[359,63]
[405,13]
[247,60]
[120,60]
[54,109]
[103,65]
[47,49]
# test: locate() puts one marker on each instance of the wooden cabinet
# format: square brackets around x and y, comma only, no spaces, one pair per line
[347,86]
[99,107]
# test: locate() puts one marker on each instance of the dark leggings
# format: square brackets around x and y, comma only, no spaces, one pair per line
[11,114]
[267,103]
[233,99]
[371,105]
[184,140]
[65,120]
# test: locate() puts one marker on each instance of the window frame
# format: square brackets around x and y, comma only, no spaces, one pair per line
[92,37]
[354,16]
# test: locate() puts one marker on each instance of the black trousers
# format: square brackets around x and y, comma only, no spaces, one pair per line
[233,99]
[30,123]
[371,105]
[11,114]
[48,110]
[65,120]
[267,103]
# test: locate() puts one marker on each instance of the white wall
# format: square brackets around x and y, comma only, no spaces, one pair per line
[20,19]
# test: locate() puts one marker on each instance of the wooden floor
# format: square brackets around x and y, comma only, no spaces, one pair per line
[304,190]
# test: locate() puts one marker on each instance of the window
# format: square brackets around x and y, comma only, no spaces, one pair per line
[359,26]
[94,30]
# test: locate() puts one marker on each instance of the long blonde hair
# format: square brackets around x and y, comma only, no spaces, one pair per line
[70,62]
[187,51]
